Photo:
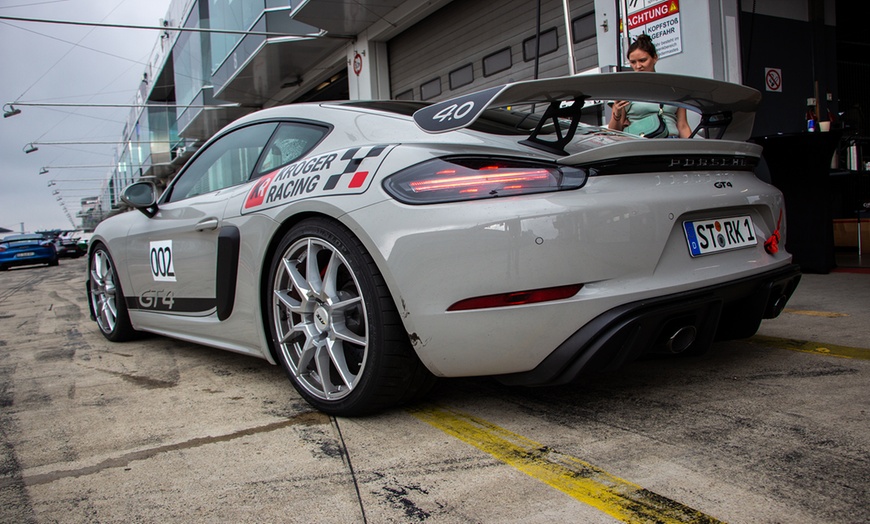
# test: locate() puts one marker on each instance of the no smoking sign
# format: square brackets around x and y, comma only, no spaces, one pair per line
[773,79]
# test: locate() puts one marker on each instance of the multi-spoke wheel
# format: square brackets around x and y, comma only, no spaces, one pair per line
[107,300]
[334,324]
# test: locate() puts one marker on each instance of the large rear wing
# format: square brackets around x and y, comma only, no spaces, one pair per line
[727,110]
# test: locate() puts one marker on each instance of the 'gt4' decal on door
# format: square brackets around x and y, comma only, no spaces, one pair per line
[167,302]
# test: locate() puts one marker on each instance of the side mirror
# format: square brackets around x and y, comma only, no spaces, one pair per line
[142,196]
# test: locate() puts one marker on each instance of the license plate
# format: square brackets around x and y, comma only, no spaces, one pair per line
[25,254]
[720,234]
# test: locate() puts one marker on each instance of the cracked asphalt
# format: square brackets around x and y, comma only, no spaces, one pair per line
[769,430]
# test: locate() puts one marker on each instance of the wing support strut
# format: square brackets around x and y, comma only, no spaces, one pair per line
[555,111]
[718,121]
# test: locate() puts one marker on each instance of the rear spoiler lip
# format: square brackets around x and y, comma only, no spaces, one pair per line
[670,148]
[702,95]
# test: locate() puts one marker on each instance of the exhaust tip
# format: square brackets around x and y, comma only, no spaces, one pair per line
[681,339]
[779,305]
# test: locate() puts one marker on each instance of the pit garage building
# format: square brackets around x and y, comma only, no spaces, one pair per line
[220,59]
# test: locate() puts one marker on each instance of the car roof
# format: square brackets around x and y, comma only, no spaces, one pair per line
[25,236]
[495,121]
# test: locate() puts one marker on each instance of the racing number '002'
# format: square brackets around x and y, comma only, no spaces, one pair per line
[162,268]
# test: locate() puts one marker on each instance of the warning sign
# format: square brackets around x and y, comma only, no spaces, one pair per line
[357,64]
[660,19]
[773,79]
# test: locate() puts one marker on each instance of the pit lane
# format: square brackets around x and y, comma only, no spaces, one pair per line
[773,429]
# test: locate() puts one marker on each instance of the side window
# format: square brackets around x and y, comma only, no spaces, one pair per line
[289,143]
[227,162]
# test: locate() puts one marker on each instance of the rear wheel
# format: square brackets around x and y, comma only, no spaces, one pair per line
[107,299]
[335,326]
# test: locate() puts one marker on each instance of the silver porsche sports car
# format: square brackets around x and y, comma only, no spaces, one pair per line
[370,247]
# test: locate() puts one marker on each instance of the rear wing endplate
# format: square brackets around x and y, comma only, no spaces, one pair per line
[727,108]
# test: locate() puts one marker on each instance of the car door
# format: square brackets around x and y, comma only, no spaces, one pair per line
[174,256]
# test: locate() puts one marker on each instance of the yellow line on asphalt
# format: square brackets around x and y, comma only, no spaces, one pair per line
[587,483]
[817,348]
[810,313]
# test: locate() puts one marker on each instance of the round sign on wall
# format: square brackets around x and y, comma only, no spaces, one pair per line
[357,64]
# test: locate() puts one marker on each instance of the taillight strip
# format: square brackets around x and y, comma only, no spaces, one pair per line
[517,298]
[459,182]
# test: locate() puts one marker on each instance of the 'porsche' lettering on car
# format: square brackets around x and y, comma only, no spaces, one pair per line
[702,162]
[339,172]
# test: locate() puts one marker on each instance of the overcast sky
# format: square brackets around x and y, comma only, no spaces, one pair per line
[70,64]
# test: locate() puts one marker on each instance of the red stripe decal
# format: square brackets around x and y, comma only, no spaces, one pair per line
[358,179]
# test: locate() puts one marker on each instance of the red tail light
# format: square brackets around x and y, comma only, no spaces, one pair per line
[456,179]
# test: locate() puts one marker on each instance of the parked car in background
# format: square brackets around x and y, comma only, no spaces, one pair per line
[66,242]
[26,250]
[83,240]
[69,244]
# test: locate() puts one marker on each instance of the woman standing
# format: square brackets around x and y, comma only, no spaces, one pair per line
[643,57]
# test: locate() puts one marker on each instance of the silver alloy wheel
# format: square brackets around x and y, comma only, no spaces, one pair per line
[320,319]
[104,292]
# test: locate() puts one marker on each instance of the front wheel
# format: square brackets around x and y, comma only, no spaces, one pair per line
[107,300]
[335,326]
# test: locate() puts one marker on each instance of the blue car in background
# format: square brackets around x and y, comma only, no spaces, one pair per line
[26,250]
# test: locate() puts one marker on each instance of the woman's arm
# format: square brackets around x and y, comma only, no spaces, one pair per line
[683,123]
[619,117]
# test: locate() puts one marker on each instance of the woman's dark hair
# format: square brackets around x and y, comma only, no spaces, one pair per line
[644,43]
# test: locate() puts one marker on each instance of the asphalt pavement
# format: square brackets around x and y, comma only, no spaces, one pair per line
[773,429]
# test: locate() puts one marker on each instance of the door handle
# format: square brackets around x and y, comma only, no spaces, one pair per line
[206,225]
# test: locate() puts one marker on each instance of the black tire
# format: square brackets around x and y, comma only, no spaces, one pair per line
[327,302]
[106,298]
[53,262]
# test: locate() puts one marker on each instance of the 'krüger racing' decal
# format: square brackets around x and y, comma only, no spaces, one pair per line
[340,172]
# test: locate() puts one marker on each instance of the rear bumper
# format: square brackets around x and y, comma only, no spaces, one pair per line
[29,261]
[72,251]
[726,311]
